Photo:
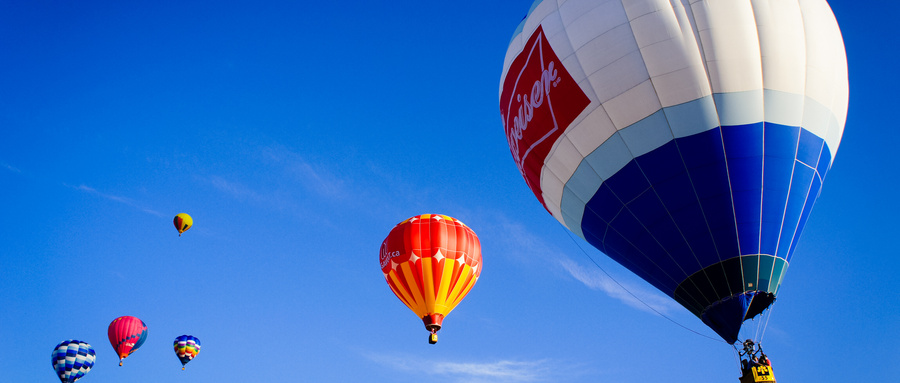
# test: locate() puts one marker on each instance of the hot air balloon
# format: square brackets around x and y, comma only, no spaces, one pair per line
[186,348]
[686,140]
[126,335]
[183,222]
[431,262]
[72,359]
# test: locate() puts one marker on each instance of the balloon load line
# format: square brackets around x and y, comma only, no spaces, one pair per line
[635,296]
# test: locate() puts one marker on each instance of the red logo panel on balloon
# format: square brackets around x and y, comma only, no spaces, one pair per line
[539,101]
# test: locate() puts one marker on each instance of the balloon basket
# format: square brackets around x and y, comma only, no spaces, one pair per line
[758,374]
[432,338]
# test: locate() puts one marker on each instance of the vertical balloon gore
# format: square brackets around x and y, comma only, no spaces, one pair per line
[431,262]
[688,141]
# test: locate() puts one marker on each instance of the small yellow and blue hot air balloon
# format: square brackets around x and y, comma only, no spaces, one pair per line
[183,222]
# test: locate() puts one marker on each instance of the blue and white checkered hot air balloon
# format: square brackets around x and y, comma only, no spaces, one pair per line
[72,359]
[685,139]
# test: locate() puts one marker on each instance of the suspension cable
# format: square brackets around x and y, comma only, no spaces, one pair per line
[759,326]
[766,325]
[737,356]
[635,296]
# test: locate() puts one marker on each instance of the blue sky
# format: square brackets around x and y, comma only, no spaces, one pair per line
[297,135]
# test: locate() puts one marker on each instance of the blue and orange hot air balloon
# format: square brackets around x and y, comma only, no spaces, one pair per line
[186,348]
[126,335]
[688,141]
[183,222]
[72,359]
[431,262]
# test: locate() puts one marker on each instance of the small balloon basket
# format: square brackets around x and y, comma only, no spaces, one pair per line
[756,374]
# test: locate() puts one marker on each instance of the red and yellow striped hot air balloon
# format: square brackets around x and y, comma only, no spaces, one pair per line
[431,262]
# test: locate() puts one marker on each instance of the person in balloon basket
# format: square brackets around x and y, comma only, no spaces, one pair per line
[755,357]
[752,360]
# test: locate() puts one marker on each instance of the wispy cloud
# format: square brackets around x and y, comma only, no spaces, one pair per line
[111,197]
[315,178]
[518,235]
[527,245]
[93,191]
[505,370]
[500,371]
[631,295]
[9,167]
[83,188]
[282,179]
[513,237]
[235,189]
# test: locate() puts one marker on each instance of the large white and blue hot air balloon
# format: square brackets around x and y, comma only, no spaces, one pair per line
[685,139]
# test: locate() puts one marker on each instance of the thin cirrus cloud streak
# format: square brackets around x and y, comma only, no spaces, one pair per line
[494,372]
[286,181]
[516,236]
[630,295]
[235,189]
[293,173]
[87,189]
[314,178]
[115,198]
[9,167]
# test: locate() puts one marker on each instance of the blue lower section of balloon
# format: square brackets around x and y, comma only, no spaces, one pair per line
[727,315]
[699,200]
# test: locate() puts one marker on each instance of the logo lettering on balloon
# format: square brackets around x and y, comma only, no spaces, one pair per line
[538,102]
[386,257]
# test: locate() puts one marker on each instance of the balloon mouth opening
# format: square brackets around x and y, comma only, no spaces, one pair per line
[726,315]
[433,322]
[760,302]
